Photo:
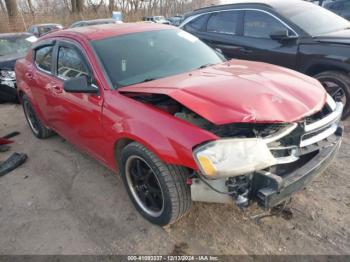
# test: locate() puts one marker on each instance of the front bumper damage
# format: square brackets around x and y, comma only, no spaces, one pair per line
[303,152]
[8,91]
[271,189]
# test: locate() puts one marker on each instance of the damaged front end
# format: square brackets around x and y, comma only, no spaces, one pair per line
[270,163]
[263,162]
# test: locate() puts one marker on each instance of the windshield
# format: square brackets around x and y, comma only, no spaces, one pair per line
[146,56]
[15,45]
[315,20]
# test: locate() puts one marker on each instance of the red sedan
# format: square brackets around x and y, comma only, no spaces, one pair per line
[178,121]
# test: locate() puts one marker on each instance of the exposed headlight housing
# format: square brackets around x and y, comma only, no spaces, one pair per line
[233,157]
[7,75]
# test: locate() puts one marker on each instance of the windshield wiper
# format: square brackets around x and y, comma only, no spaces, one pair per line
[148,80]
[205,66]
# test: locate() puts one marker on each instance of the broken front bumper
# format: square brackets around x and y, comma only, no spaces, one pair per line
[270,190]
[8,91]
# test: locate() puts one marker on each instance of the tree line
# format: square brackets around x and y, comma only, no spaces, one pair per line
[17,10]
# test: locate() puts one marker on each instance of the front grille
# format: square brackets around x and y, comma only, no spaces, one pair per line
[326,110]
[246,130]
[308,136]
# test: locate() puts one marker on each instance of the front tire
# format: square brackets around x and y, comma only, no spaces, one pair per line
[38,129]
[337,85]
[158,191]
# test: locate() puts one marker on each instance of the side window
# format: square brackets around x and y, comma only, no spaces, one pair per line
[223,22]
[196,24]
[43,58]
[70,64]
[347,6]
[337,6]
[261,25]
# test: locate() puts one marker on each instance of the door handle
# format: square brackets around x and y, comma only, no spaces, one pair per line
[56,89]
[29,75]
[246,51]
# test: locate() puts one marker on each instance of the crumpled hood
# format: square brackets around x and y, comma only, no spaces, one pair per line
[338,37]
[241,91]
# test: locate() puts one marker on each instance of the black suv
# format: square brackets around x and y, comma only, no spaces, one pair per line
[291,33]
[340,7]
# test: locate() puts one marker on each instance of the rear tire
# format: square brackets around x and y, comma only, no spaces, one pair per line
[38,129]
[337,85]
[155,175]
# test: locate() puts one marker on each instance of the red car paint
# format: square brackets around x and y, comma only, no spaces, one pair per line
[237,91]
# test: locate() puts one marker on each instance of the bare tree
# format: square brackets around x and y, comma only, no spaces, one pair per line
[12,12]
[77,6]
[95,5]
[111,5]
[30,6]
[2,7]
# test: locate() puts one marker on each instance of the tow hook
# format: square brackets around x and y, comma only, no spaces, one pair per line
[240,186]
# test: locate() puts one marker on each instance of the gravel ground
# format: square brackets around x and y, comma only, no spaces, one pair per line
[61,201]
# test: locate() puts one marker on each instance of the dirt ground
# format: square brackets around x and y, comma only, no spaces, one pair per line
[61,201]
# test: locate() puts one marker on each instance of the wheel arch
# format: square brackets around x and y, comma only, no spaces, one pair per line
[318,68]
[167,150]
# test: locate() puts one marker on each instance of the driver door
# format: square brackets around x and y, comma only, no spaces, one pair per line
[257,44]
[76,116]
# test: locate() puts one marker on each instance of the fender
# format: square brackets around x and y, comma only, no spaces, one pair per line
[168,137]
[317,66]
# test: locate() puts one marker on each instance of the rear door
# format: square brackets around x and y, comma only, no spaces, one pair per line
[40,76]
[76,116]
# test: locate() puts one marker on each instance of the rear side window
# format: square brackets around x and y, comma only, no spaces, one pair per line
[223,22]
[43,58]
[196,24]
[261,25]
[70,63]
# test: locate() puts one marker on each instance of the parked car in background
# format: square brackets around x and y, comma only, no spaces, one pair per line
[294,34]
[12,47]
[95,22]
[117,16]
[175,20]
[341,7]
[156,19]
[177,120]
[42,29]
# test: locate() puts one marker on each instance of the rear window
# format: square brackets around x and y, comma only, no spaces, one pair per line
[43,58]
[196,24]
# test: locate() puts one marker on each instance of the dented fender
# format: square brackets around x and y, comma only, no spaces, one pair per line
[168,137]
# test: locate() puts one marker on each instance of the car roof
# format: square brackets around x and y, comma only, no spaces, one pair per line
[97,32]
[47,24]
[95,20]
[274,4]
[11,35]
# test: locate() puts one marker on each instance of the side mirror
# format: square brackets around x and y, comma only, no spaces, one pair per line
[282,35]
[79,85]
